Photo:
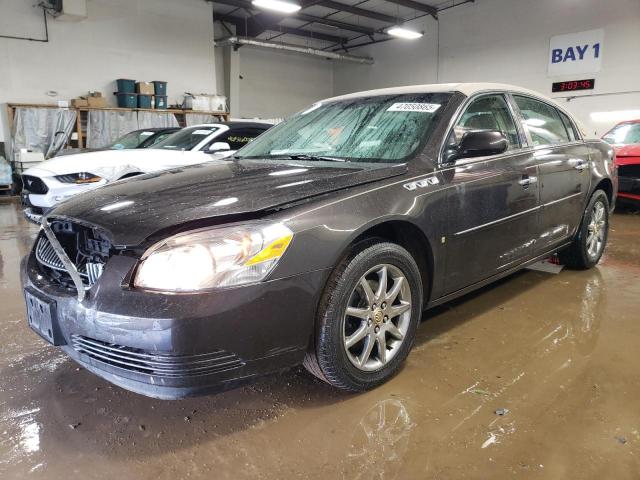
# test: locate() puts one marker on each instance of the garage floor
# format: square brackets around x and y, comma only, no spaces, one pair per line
[560,352]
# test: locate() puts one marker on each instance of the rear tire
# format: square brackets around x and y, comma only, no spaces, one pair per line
[591,239]
[364,333]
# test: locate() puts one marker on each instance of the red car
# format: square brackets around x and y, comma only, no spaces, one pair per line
[625,138]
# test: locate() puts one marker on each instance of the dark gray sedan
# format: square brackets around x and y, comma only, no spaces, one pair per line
[321,242]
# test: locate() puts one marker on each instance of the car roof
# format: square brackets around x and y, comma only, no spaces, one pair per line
[156,129]
[467,89]
[636,120]
[243,124]
[235,124]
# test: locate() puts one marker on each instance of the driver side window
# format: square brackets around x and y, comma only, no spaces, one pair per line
[490,112]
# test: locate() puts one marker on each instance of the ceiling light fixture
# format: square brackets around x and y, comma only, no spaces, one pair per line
[402,32]
[277,5]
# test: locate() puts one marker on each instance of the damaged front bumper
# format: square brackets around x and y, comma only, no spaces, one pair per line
[174,346]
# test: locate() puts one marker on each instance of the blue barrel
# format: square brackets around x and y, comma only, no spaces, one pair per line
[126,86]
[160,88]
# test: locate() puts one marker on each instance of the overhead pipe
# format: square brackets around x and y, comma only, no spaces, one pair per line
[240,41]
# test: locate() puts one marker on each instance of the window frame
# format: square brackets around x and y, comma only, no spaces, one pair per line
[461,110]
[574,126]
[525,139]
[560,111]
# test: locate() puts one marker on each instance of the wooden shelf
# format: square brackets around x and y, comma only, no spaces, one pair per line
[82,112]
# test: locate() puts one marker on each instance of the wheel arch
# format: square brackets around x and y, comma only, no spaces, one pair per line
[607,186]
[410,237]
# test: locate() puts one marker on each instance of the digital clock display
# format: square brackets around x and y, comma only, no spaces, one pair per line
[573,85]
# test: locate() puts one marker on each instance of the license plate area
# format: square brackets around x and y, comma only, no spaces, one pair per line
[41,315]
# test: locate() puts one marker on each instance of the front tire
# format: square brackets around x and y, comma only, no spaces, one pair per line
[590,241]
[367,317]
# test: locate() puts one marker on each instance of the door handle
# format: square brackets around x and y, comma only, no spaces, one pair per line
[580,164]
[526,180]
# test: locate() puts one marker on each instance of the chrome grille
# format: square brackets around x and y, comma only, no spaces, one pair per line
[94,270]
[46,255]
[86,249]
[155,363]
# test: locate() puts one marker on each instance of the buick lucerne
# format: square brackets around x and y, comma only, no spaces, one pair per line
[319,243]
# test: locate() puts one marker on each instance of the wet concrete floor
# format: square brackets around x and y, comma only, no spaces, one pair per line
[559,352]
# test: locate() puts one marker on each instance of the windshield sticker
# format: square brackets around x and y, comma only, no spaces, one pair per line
[414,107]
[146,134]
[313,107]
[201,132]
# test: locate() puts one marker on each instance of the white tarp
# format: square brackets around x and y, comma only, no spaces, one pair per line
[44,130]
[156,120]
[5,172]
[105,126]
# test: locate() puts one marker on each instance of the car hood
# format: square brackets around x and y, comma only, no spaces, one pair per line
[632,150]
[131,211]
[110,164]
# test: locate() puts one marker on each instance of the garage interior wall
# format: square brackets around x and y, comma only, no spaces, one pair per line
[508,41]
[489,40]
[275,84]
[138,39]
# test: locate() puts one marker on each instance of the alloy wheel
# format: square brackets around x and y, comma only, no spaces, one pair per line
[596,230]
[377,317]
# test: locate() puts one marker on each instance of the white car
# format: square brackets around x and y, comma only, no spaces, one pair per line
[55,180]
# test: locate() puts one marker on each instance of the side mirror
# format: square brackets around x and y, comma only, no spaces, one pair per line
[479,143]
[218,147]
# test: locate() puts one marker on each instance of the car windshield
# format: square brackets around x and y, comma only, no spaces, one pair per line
[185,139]
[384,129]
[131,140]
[623,134]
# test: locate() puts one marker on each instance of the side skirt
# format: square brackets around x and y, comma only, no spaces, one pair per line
[493,278]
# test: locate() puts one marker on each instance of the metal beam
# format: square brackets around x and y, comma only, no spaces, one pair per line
[237,42]
[334,23]
[249,27]
[308,34]
[421,7]
[341,7]
[297,16]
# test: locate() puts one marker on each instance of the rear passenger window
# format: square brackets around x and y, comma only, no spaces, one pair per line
[542,121]
[573,136]
[487,113]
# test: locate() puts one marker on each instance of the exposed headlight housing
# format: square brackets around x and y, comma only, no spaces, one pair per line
[213,258]
[80,178]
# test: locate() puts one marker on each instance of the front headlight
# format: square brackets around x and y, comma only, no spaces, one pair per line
[80,177]
[213,258]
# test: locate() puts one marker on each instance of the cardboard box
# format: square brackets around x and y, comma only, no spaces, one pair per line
[99,102]
[145,88]
[95,94]
[79,102]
